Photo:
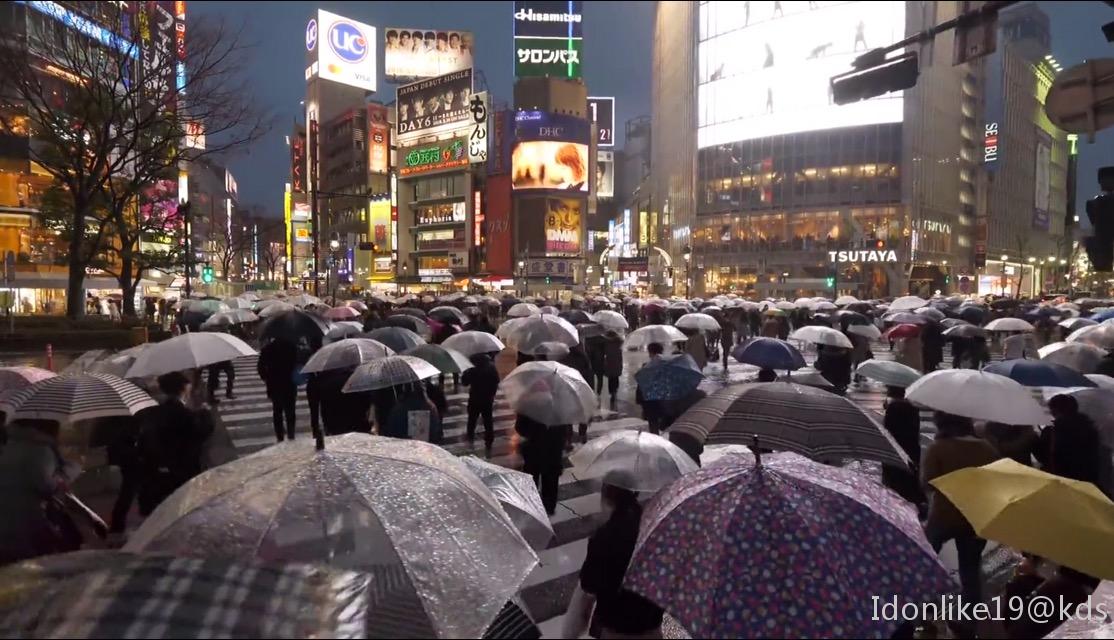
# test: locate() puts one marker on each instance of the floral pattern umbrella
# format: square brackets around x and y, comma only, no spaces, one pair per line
[784,547]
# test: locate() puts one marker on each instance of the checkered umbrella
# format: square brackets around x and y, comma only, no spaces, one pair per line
[791,417]
[72,398]
[444,556]
[111,594]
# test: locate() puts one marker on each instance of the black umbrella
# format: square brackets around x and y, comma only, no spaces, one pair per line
[974,315]
[410,311]
[412,323]
[576,316]
[292,325]
[860,307]
[848,318]
[1005,303]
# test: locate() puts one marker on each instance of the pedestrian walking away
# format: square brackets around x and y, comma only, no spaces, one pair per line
[171,443]
[612,363]
[278,363]
[214,380]
[482,381]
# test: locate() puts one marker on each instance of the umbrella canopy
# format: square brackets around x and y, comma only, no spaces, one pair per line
[1008,324]
[1074,324]
[889,373]
[1101,336]
[1067,521]
[550,350]
[73,398]
[207,306]
[769,353]
[188,351]
[782,415]
[902,331]
[448,314]
[717,545]
[868,331]
[823,305]
[342,313]
[238,303]
[292,325]
[410,323]
[843,301]
[445,555]
[527,334]
[303,300]
[576,316]
[697,321]
[550,393]
[397,338]
[112,594]
[272,308]
[906,318]
[1080,356]
[931,312]
[826,336]
[682,306]
[1102,316]
[1038,373]
[1102,381]
[948,323]
[344,329]
[649,460]
[908,303]
[612,320]
[410,311]
[518,495]
[390,371]
[13,379]
[977,395]
[669,378]
[654,333]
[345,354]
[469,343]
[446,360]
[964,331]
[549,310]
[357,305]
[523,309]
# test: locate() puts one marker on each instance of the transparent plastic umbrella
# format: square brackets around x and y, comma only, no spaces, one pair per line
[445,555]
[908,303]
[889,373]
[1082,357]
[977,395]
[344,354]
[1101,336]
[188,351]
[523,309]
[526,335]
[518,494]
[1008,324]
[344,329]
[470,343]
[662,334]
[342,313]
[391,371]
[697,321]
[550,393]
[821,335]
[651,461]
[612,320]
[446,360]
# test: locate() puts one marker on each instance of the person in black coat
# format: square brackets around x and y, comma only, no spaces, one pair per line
[1071,446]
[170,444]
[482,381]
[594,346]
[214,380]
[932,346]
[480,322]
[612,363]
[903,422]
[541,450]
[1106,365]
[578,360]
[834,364]
[278,361]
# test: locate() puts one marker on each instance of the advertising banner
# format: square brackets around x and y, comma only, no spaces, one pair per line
[346,51]
[602,112]
[502,130]
[298,163]
[540,125]
[605,174]
[435,156]
[550,152]
[1042,182]
[639,265]
[435,105]
[477,137]
[378,139]
[546,57]
[415,54]
[548,19]
[497,225]
[562,226]
[551,268]
[548,38]
[379,221]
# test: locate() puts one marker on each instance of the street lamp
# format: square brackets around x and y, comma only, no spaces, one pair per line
[522,272]
[687,255]
[1004,258]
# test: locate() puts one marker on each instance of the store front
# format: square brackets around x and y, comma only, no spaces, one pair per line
[1010,278]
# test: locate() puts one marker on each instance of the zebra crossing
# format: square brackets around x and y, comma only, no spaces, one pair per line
[546,592]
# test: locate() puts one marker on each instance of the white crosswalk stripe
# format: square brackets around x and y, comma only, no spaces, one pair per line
[248,420]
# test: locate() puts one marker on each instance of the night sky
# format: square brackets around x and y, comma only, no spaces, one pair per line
[617,58]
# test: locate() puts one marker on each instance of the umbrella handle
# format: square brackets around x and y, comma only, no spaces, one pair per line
[757,453]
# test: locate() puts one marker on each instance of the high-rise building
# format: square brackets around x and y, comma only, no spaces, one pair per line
[764,185]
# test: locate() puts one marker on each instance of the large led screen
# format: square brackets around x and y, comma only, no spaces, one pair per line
[765,67]
[550,164]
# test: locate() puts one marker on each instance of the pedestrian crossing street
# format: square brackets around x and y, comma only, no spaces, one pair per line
[546,592]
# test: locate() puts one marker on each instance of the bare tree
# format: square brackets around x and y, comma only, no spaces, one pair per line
[109,120]
[227,245]
[272,248]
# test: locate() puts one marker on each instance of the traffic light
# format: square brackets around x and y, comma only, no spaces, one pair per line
[547,280]
[207,274]
[831,282]
[875,75]
[1100,211]
[881,244]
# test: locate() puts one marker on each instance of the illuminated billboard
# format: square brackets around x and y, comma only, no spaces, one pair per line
[435,105]
[548,164]
[764,67]
[435,156]
[548,38]
[562,226]
[345,49]
[605,174]
[413,54]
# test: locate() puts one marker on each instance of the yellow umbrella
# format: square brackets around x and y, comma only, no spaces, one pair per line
[1067,521]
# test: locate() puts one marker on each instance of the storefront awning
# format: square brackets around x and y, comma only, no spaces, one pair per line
[35,280]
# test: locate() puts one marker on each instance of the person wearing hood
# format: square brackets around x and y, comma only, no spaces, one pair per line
[482,381]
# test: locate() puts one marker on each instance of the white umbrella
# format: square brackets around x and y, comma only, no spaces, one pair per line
[651,461]
[867,331]
[470,343]
[528,333]
[188,351]
[889,373]
[523,309]
[1082,357]
[391,371]
[276,308]
[714,453]
[1074,324]
[908,303]
[550,393]
[697,321]
[518,495]
[344,329]
[843,301]
[344,354]
[612,320]
[977,395]
[357,305]
[73,398]
[207,306]
[549,310]
[550,350]
[1103,381]
[662,334]
[342,313]
[822,335]
[785,305]
[229,318]
[1101,336]
[823,305]
[303,300]
[1008,324]
[249,295]
[238,303]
